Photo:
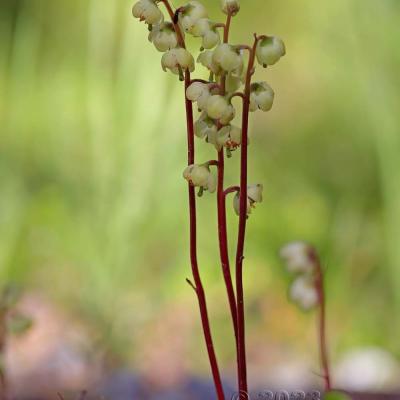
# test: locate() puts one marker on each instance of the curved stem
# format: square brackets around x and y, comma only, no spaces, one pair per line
[319,282]
[232,189]
[242,225]
[193,228]
[198,80]
[237,94]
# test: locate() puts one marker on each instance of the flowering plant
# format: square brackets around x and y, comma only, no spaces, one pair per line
[230,68]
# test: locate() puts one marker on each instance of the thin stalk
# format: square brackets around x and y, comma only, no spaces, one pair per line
[193,228]
[223,242]
[221,210]
[319,282]
[242,226]
[193,251]
[3,378]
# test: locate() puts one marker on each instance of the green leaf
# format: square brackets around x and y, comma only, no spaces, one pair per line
[335,395]
[18,324]
[10,296]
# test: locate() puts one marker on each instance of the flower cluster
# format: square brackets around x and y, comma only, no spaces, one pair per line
[299,262]
[226,64]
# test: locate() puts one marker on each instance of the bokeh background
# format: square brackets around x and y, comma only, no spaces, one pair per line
[93,213]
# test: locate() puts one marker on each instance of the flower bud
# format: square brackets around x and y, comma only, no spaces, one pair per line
[205,127]
[228,58]
[304,293]
[270,50]
[230,6]
[296,255]
[230,137]
[177,60]
[205,58]
[163,36]
[261,96]
[219,108]
[147,10]
[200,176]
[190,14]
[254,195]
[200,93]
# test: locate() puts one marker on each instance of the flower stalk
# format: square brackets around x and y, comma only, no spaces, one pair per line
[227,73]
[308,291]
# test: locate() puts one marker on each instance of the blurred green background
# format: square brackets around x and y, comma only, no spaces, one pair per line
[93,211]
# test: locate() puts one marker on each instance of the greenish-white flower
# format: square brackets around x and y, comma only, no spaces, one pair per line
[254,195]
[205,58]
[229,136]
[190,14]
[206,29]
[269,50]
[200,176]
[228,58]
[219,108]
[147,10]
[177,60]
[233,83]
[296,256]
[261,96]
[163,36]
[199,92]
[304,292]
[230,6]
[205,127]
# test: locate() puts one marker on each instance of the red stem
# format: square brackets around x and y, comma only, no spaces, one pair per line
[222,224]
[242,226]
[193,229]
[319,283]
[223,241]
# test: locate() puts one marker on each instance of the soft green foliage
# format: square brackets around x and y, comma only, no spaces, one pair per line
[336,396]
[93,207]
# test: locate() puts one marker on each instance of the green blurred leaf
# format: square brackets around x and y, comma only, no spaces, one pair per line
[10,296]
[335,395]
[18,324]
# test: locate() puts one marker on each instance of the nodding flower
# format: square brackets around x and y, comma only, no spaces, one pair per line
[190,14]
[177,60]
[269,50]
[199,92]
[296,256]
[163,36]
[147,10]
[199,175]
[254,195]
[206,127]
[261,96]
[219,108]
[304,293]
[228,58]
[207,30]
[230,137]
[205,58]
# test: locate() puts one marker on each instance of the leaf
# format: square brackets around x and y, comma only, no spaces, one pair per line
[18,324]
[10,296]
[336,395]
